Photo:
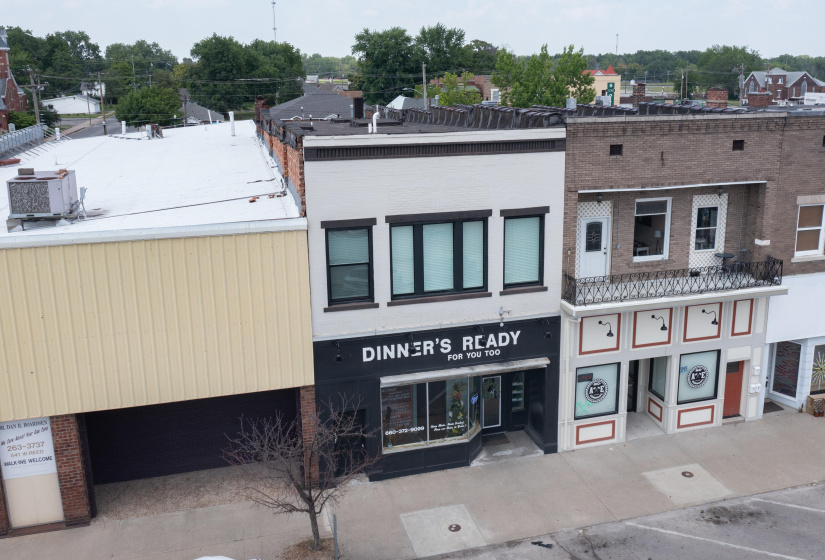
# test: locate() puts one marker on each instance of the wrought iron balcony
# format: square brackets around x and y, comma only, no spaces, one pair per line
[665,283]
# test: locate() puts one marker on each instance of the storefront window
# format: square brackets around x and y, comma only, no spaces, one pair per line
[427,413]
[786,368]
[404,412]
[698,376]
[818,371]
[597,391]
[658,376]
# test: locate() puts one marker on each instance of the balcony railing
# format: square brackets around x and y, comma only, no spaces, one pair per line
[665,283]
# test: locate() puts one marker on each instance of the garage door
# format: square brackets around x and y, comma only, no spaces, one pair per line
[157,440]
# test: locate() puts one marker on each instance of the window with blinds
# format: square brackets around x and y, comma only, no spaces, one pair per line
[435,258]
[523,251]
[349,265]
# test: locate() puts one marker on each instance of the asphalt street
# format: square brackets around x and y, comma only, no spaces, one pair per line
[785,524]
[113,127]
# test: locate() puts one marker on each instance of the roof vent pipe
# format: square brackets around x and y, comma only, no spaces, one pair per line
[123,127]
[375,123]
[232,122]
[369,128]
[352,111]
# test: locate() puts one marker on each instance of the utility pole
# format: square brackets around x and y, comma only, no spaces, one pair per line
[102,103]
[740,70]
[424,87]
[134,85]
[34,88]
[617,44]
[274,29]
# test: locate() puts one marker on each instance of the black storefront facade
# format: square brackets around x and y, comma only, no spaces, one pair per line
[431,396]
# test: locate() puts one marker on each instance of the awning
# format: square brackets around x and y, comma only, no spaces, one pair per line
[469,371]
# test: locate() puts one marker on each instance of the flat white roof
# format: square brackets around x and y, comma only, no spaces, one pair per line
[194,181]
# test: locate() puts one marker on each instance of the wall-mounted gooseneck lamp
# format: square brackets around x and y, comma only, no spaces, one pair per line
[609,328]
[338,358]
[663,328]
[714,322]
[546,323]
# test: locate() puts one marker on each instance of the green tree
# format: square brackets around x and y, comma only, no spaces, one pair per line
[454,91]
[480,56]
[282,64]
[542,81]
[386,63]
[156,105]
[221,62]
[716,65]
[21,120]
[441,49]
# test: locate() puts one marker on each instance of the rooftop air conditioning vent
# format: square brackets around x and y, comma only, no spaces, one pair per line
[44,195]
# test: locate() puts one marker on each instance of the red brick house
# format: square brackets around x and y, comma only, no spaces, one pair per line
[12,97]
[781,85]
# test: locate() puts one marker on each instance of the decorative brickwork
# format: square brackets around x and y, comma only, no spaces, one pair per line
[70,471]
[307,406]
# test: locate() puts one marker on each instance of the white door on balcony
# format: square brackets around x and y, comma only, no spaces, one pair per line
[595,247]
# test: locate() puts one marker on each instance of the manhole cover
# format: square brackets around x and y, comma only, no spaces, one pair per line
[455,528]
[687,474]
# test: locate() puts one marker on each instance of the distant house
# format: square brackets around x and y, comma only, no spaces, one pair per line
[606,82]
[402,102]
[318,104]
[198,114]
[12,97]
[782,85]
[74,105]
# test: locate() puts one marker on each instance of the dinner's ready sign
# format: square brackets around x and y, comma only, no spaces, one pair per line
[26,448]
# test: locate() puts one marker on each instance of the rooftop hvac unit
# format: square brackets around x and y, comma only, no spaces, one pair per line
[42,194]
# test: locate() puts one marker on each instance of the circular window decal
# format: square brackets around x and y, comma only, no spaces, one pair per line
[596,390]
[697,376]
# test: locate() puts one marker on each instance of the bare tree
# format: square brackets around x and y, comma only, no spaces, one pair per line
[294,470]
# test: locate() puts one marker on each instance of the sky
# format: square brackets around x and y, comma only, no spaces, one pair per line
[328,26]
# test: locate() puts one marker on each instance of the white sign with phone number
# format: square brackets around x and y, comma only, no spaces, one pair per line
[26,448]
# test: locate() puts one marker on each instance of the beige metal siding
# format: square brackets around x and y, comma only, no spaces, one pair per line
[111,325]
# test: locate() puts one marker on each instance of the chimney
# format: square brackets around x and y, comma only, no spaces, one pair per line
[717,98]
[639,93]
[759,99]
[358,107]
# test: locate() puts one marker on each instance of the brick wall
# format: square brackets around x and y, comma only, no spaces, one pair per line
[295,171]
[623,222]
[307,411]
[70,471]
[660,152]
[785,154]
[759,99]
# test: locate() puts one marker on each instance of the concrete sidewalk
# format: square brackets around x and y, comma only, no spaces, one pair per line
[494,502]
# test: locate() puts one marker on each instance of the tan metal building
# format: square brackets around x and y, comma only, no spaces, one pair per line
[132,341]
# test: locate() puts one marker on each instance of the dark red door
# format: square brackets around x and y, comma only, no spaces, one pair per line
[733,389]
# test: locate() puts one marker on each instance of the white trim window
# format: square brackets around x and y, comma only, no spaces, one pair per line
[651,229]
[809,230]
[707,226]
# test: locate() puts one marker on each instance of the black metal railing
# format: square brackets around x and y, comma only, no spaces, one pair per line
[663,283]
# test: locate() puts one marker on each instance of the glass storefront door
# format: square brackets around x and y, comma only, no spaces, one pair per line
[491,401]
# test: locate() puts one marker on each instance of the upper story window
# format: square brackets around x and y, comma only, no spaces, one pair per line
[523,251]
[706,227]
[809,230]
[804,87]
[434,258]
[349,265]
[651,231]
[779,80]
[752,86]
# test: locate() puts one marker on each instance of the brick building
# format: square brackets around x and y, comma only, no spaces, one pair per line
[680,233]
[781,85]
[12,97]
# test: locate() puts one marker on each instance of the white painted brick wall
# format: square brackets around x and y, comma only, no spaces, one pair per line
[342,190]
